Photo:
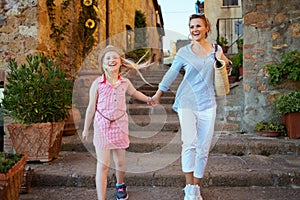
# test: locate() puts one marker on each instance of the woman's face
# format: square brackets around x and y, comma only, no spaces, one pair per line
[198,30]
[111,61]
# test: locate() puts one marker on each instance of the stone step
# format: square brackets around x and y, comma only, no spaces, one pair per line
[170,142]
[165,193]
[154,122]
[143,109]
[77,169]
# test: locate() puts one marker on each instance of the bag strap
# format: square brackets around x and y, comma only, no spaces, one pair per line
[216,49]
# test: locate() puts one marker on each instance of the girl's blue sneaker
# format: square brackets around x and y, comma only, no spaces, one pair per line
[121,192]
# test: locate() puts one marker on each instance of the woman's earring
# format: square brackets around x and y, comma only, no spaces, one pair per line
[189,37]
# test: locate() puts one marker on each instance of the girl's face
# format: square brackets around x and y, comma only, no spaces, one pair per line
[111,61]
[198,30]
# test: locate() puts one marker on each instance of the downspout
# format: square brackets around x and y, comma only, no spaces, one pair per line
[107,22]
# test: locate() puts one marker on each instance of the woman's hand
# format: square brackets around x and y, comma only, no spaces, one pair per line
[221,56]
[155,98]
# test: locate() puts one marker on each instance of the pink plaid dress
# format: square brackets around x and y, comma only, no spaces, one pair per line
[111,119]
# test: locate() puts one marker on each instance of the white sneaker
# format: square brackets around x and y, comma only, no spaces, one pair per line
[189,192]
[197,192]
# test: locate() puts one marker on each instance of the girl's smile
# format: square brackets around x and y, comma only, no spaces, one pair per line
[112,61]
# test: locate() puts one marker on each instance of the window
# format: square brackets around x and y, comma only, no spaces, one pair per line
[129,37]
[230,2]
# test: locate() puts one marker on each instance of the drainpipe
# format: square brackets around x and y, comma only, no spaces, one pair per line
[1,131]
[107,22]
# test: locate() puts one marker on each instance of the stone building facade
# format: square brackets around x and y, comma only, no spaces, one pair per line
[25,27]
[270,29]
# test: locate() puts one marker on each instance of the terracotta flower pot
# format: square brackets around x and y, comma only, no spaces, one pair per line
[225,49]
[73,122]
[269,133]
[291,121]
[10,182]
[41,141]
[232,79]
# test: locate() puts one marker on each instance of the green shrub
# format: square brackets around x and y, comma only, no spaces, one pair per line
[37,91]
[287,68]
[222,41]
[272,125]
[7,161]
[287,103]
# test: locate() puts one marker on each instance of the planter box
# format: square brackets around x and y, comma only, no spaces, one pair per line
[10,182]
[291,121]
[26,184]
[72,123]
[41,141]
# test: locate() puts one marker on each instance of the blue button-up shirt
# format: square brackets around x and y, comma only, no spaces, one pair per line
[196,90]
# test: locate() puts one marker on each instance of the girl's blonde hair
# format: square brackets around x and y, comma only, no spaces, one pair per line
[125,62]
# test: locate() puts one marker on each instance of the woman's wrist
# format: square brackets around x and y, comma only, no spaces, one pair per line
[159,93]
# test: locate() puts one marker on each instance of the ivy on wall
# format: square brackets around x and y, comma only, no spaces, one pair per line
[58,30]
[59,25]
[87,24]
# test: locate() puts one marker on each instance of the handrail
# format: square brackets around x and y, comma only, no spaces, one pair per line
[230,29]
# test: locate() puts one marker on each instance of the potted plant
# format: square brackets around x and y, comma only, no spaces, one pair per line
[12,168]
[270,129]
[240,43]
[237,62]
[37,98]
[288,106]
[222,41]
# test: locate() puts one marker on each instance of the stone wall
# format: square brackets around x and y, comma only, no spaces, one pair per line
[18,29]
[25,28]
[270,29]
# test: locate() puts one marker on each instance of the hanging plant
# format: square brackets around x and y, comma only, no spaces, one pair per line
[87,24]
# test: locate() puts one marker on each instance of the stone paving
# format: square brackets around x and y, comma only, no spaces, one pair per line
[165,193]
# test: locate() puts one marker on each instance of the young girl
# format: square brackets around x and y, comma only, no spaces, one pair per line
[107,104]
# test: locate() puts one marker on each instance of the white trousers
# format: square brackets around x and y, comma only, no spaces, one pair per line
[197,129]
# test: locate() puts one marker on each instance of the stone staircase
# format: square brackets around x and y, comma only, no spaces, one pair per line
[153,158]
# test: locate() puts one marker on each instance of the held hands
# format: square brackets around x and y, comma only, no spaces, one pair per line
[155,98]
[151,102]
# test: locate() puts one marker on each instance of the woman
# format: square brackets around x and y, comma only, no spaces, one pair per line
[195,101]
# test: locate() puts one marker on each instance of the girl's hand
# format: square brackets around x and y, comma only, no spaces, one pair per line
[85,135]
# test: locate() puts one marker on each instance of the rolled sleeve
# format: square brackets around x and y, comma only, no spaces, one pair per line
[171,74]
